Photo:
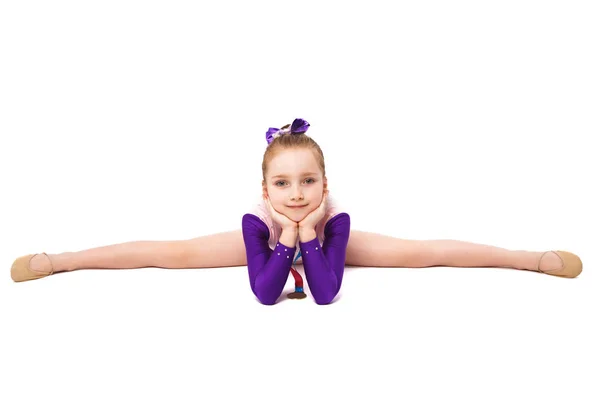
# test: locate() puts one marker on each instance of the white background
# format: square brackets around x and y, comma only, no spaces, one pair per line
[146,120]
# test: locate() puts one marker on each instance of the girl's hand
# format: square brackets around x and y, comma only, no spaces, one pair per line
[281,219]
[312,219]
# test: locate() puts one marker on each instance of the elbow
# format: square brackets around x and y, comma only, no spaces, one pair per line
[267,301]
[324,298]
[265,297]
[265,291]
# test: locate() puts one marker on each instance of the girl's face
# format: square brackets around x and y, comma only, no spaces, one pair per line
[294,178]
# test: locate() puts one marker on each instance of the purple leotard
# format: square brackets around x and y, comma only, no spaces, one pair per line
[269,269]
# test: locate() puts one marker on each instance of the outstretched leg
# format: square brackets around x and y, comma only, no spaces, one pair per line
[369,249]
[227,249]
[223,249]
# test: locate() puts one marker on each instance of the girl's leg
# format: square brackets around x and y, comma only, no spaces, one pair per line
[217,250]
[375,250]
[228,249]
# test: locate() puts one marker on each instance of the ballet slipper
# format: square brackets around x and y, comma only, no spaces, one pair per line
[21,270]
[572,264]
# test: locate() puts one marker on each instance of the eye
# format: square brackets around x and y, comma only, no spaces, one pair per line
[307,179]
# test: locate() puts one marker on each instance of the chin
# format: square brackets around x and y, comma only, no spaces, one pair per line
[296,217]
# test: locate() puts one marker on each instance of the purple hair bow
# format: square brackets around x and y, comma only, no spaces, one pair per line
[298,126]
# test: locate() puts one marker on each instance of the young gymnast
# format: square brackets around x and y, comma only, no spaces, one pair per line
[295,223]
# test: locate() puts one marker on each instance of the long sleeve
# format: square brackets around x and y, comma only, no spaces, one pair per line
[324,268]
[268,270]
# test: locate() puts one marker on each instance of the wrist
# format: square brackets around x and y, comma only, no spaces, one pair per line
[293,229]
[306,228]
[307,234]
[288,237]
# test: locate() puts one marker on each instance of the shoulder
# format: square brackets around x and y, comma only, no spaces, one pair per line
[340,219]
[252,219]
[254,228]
[338,227]
[251,222]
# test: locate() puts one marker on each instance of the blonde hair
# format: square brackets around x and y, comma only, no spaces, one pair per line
[291,141]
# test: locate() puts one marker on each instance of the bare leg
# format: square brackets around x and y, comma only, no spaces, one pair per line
[373,249]
[217,250]
[227,249]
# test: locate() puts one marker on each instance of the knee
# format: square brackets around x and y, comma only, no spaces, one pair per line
[419,253]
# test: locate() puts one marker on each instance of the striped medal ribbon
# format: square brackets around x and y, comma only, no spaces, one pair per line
[299,292]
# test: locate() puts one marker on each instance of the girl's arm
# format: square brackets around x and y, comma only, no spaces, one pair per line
[268,270]
[324,268]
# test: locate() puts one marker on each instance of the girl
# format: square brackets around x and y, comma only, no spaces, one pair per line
[296,218]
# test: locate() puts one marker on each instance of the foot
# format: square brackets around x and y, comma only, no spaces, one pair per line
[41,263]
[550,262]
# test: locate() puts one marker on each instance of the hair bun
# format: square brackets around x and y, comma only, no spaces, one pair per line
[297,127]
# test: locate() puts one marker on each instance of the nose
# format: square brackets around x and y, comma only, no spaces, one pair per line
[296,193]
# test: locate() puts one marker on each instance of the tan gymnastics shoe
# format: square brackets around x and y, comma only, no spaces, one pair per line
[572,265]
[20,270]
